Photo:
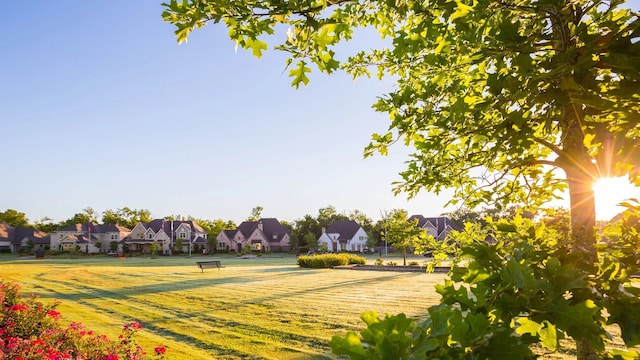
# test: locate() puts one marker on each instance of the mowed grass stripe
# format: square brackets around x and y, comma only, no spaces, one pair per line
[268,309]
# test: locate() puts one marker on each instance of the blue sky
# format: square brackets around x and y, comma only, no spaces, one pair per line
[100,107]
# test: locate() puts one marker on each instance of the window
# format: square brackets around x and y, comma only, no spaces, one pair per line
[150,236]
[183,235]
[114,236]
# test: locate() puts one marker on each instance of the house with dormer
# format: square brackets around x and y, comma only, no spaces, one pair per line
[439,227]
[165,236]
[344,235]
[17,239]
[265,235]
[88,238]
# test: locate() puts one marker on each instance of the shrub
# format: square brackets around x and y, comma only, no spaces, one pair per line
[29,329]
[379,261]
[329,260]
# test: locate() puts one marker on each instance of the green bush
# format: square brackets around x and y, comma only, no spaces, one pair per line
[329,260]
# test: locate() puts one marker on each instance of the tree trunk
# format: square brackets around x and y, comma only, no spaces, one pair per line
[583,214]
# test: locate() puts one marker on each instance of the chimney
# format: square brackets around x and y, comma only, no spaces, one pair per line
[260,226]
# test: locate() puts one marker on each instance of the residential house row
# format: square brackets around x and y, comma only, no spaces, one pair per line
[163,236]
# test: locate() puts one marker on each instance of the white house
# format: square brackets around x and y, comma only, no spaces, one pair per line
[344,235]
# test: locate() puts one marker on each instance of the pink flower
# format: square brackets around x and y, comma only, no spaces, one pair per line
[111,357]
[54,314]
[17,307]
[160,350]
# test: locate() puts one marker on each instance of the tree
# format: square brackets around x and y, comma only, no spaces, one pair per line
[126,217]
[213,228]
[86,216]
[256,214]
[362,219]
[14,218]
[308,224]
[46,225]
[403,234]
[311,240]
[505,102]
[326,216]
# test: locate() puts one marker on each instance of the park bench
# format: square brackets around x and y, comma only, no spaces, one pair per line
[208,264]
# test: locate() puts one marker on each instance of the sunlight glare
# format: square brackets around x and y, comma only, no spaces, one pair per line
[609,192]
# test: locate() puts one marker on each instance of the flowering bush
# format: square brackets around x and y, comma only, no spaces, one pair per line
[29,330]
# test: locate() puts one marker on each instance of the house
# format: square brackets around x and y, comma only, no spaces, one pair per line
[266,234]
[439,227]
[88,238]
[15,240]
[166,235]
[344,235]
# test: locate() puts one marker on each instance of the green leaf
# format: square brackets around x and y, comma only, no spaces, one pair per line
[350,345]
[299,74]
[256,46]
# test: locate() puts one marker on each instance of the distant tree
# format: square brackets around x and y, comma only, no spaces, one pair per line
[86,216]
[178,245]
[256,214]
[362,219]
[326,216]
[46,225]
[371,240]
[14,218]
[311,240]
[403,234]
[213,228]
[463,215]
[308,224]
[126,217]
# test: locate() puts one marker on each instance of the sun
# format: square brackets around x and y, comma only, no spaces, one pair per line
[609,192]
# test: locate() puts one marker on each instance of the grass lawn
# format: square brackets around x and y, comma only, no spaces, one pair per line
[262,308]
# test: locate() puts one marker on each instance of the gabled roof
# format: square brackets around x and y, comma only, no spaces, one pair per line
[6,232]
[157,224]
[438,222]
[346,229]
[15,235]
[247,227]
[271,227]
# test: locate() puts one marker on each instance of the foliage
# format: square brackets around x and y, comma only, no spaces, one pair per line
[403,234]
[30,330]
[177,247]
[14,218]
[126,217]
[311,240]
[256,213]
[379,261]
[329,260]
[522,289]
[88,215]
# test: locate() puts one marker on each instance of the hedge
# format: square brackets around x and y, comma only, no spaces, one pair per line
[329,260]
